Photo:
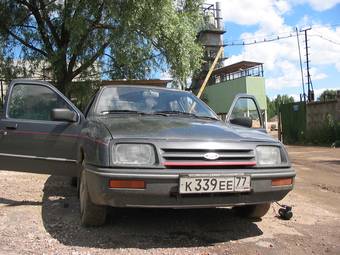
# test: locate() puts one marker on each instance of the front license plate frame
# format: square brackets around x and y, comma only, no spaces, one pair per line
[197,184]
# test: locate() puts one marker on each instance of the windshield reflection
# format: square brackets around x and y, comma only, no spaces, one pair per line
[129,99]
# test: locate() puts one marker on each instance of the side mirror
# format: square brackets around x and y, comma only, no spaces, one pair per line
[63,114]
[242,121]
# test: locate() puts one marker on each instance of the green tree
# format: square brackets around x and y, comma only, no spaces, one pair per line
[327,95]
[126,39]
[274,105]
[271,110]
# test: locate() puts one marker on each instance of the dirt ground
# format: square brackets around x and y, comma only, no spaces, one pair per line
[39,215]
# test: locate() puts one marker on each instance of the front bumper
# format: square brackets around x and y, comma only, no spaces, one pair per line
[162,188]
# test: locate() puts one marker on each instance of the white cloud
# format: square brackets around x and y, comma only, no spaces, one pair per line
[266,13]
[324,48]
[281,58]
[318,5]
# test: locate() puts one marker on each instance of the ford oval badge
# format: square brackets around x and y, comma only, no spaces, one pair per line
[211,156]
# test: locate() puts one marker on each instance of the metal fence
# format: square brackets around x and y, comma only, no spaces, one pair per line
[293,122]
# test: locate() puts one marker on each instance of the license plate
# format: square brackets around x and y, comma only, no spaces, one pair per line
[214,184]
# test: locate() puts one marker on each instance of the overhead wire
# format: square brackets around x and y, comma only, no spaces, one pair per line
[264,40]
[326,39]
[275,37]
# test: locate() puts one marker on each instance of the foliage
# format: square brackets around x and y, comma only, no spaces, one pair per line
[327,95]
[273,105]
[82,92]
[117,39]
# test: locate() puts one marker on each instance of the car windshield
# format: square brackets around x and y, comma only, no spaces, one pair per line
[126,99]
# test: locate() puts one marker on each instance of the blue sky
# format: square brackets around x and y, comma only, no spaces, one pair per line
[247,20]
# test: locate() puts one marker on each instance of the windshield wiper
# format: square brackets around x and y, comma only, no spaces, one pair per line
[163,113]
[174,113]
[121,111]
[206,117]
[185,114]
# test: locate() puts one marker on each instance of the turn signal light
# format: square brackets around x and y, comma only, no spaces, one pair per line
[127,184]
[282,182]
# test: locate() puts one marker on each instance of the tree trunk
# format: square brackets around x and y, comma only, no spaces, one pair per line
[63,83]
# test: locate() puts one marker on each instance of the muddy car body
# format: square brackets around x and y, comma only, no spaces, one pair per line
[137,146]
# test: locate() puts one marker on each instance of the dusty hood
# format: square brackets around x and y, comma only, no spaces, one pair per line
[161,127]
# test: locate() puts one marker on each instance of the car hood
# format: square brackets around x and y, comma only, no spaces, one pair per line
[161,127]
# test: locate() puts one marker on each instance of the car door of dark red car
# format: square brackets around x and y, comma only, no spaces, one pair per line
[30,139]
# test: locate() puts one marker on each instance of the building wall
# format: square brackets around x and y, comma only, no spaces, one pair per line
[318,112]
[315,122]
[256,87]
[220,96]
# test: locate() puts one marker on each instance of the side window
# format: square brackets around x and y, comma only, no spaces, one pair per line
[34,102]
[245,113]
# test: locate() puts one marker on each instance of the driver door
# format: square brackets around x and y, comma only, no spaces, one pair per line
[245,112]
[30,139]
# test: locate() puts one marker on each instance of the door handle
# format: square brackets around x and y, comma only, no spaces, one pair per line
[12,126]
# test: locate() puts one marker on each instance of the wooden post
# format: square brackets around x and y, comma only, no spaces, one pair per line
[279,128]
[219,53]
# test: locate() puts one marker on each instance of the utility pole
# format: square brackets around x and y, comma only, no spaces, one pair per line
[309,80]
[301,69]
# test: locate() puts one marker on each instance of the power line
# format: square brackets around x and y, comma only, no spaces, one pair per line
[260,36]
[272,37]
[326,39]
[327,25]
[301,68]
[264,40]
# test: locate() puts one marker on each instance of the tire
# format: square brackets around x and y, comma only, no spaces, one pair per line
[91,215]
[252,211]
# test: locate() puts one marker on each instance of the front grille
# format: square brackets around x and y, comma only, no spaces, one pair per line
[194,158]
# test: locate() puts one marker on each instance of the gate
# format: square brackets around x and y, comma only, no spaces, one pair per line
[292,118]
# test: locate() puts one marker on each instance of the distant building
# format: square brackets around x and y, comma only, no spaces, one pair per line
[226,82]
[42,71]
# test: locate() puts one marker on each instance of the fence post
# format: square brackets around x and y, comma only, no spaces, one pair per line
[279,130]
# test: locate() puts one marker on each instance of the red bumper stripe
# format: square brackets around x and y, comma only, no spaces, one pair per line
[169,163]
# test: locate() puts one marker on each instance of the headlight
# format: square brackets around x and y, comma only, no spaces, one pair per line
[268,155]
[134,154]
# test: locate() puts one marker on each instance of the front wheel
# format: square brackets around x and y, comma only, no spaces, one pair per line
[252,211]
[90,213]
